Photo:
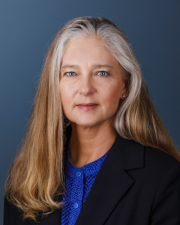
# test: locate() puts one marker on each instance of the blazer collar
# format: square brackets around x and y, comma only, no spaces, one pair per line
[112,181]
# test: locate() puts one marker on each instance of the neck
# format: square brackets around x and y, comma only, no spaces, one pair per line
[88,144]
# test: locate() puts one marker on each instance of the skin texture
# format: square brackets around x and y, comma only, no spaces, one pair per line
[90,74]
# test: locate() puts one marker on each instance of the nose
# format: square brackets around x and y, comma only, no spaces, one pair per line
[87,85]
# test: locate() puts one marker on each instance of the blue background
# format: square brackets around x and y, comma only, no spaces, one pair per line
[27,28]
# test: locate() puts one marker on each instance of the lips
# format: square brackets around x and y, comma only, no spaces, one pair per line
[87,106]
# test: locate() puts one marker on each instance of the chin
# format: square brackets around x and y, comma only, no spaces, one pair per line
[87,124]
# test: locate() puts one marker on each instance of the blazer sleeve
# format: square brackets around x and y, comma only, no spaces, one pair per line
[14,216]
[6,209]
[7,220]
[11,214]
[166,206]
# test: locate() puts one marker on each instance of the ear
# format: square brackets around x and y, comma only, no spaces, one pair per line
[123,96]
[124,92]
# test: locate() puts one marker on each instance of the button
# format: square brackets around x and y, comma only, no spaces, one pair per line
[78,174]
[76,205]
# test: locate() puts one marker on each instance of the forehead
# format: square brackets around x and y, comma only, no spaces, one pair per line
[87,48]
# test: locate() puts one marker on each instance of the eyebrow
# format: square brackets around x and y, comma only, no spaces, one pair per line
[69,66]
[96,66]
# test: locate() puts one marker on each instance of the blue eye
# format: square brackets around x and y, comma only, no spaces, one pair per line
[70,74]
[103,73]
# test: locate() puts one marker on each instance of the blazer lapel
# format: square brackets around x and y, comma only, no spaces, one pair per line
[112,181]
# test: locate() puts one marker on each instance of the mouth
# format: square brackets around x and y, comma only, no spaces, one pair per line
[87,107]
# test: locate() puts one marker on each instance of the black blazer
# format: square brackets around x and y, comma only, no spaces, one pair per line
[136,185]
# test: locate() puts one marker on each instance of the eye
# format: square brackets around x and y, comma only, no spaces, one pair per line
[70,73]
[103,73]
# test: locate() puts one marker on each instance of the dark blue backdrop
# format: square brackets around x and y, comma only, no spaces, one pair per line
[27,28]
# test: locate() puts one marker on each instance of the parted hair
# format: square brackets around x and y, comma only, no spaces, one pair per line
[36,177]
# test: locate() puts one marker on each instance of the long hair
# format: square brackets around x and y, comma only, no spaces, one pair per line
[36,176]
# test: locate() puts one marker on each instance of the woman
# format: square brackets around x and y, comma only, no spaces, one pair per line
[95,151]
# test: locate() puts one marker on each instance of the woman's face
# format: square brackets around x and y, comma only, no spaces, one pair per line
[91,82]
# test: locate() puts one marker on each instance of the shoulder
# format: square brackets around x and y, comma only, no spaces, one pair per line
[153,169]
[159,160]
[147,161]
[160,168]
[134,155]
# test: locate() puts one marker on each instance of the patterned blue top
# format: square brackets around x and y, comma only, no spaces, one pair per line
[78,183]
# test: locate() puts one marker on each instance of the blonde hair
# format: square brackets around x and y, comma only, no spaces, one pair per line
[36,177]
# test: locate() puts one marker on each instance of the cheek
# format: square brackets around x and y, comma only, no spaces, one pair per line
[111,96]
[66,96]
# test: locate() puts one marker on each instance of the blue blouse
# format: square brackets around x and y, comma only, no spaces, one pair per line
[78,183]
